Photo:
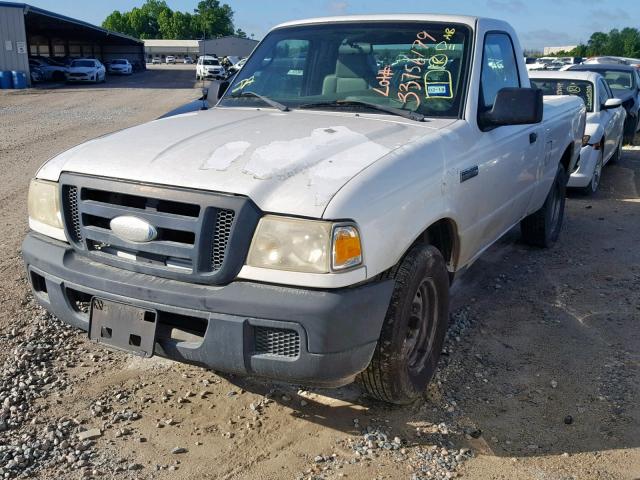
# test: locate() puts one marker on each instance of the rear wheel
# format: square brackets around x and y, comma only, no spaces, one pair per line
[542,228]
[413,332]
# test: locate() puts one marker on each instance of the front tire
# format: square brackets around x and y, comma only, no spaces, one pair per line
[542,228]
[595,177]
[414,328]
[617,154]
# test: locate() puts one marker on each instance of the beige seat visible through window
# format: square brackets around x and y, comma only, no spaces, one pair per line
[353,70]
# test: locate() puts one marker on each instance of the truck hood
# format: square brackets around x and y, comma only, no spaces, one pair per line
[292,162]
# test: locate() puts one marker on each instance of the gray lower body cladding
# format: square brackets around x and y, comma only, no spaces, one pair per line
[318,337]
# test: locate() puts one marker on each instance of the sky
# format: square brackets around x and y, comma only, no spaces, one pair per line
[539,23]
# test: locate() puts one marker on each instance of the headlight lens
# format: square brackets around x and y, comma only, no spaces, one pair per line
[585,140]
[44,203]
[308,246]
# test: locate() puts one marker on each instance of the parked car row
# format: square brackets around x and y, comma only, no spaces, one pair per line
[611,94]
[44,69]
[208,66]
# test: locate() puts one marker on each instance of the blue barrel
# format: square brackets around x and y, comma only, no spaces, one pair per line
[6,80]
[19,79]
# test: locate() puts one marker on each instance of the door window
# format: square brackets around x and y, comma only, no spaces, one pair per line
[499,68]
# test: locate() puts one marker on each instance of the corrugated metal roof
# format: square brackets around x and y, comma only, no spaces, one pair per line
[39,11]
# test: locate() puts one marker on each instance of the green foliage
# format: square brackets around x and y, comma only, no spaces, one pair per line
[154,19]
[618,43]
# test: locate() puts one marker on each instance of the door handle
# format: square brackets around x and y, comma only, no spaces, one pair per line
[533,136]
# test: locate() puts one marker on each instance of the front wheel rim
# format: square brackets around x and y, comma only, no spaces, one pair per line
[421,326]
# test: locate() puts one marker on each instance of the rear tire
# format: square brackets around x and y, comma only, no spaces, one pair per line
[542,228]
[630,132]
[414,328]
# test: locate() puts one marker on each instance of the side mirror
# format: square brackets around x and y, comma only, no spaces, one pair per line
[514,106]
[612,103]
[222,88]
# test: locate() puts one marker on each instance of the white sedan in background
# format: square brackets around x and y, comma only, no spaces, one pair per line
[87,70]
[602,139]
[120,66]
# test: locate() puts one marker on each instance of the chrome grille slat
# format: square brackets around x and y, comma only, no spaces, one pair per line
[169,249]
[162,220]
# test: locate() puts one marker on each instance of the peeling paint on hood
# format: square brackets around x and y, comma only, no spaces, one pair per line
[290,163]
[225,155]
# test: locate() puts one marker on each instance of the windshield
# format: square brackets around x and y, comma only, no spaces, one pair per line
[210,62]
[619,80]
[416,66]
[579,88]
[119,62]
[82,63]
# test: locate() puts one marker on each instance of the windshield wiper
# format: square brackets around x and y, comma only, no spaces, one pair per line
[418,117]
[267,100]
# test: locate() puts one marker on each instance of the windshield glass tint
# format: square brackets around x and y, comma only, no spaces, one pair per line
[119,62]
[82,63]
[618,80]
[579,88]
[210,62]
[416,66]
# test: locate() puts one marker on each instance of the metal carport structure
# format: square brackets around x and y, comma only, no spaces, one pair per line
[50,34]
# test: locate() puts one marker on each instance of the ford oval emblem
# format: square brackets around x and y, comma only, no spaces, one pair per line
[133,229]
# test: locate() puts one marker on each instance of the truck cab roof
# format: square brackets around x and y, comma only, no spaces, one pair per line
[471,21]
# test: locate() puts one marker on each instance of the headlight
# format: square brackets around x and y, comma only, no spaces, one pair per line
[309,246]
[585,140]
[44,203]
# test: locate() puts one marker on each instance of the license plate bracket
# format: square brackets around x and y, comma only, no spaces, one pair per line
[123,327]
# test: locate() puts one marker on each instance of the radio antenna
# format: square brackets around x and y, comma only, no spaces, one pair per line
[205,92]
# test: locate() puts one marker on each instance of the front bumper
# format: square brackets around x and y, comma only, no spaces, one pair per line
[581,176]
[222,327]
[216,75]
[85,78]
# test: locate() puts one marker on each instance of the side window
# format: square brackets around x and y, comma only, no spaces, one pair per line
[499,68]
[603,94]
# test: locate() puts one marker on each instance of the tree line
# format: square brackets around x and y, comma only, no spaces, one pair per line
[154,19]
[618,43]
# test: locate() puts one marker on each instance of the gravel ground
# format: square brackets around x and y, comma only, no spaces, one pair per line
[540,377]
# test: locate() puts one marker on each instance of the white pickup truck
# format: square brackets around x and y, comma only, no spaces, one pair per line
[307,228]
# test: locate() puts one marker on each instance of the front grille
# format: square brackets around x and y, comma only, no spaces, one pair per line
[199,236]
[277,341]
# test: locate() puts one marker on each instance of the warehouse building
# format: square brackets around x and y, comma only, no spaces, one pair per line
[30,31]
[178,48]
[230,46]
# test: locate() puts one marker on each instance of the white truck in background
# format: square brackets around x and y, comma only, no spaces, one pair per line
[307,228]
